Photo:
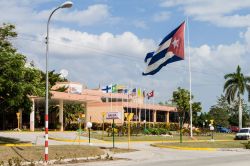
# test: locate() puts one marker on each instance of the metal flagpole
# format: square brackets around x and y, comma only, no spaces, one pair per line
[149,116]
[111,104]
[154,120]
[136,94]
[145,108]
[127,98]
[190,83]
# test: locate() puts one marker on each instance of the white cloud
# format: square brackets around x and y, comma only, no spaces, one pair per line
[68,42]
[95,14]
[29,20]
[220,13]
[161,16]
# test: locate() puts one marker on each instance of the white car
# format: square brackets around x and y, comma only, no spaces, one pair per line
[244,133]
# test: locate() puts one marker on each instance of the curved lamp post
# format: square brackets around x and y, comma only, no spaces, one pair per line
[66,4]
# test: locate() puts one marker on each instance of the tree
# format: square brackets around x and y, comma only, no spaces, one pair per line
[17,82]
[181,99]
[220,116]
[234,115]
[235,86]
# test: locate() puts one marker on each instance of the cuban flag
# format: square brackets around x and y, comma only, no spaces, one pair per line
[171,49]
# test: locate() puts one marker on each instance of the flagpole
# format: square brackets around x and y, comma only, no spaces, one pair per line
[145,108]
[111,97]
[154,120]
[149,117]
[190,83]
[136,107]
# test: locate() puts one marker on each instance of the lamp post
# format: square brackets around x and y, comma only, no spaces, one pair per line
[66,4]
[89,125]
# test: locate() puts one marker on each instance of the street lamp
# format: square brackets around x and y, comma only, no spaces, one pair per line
[89,125]
[66,4]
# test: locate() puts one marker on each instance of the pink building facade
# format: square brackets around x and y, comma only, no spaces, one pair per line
[98,104]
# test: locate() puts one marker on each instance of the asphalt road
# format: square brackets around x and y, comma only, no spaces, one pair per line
[228,160]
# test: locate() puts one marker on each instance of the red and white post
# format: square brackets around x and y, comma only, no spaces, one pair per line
[46,152]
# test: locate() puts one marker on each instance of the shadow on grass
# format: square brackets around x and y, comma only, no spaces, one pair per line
[8,140]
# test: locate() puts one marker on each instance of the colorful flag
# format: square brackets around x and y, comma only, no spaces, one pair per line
[144,93]
[114,88]
[107,89]
[139,92]
[125,91]
[150,94]
[134,92]
[170,49]
[120,88]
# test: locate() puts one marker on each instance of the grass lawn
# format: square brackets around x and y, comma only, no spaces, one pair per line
[57,152]
[176,137]
[230,144]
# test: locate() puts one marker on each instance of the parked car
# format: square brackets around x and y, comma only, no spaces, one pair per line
[223,129]
[234,128]
[244,133]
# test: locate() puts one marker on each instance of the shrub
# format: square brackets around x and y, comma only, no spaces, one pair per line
[247,145]
[98,126]
[110,131]
[174,127]
[72,126]
[156,131]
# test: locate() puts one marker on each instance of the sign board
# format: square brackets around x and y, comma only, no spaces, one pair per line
[211,128]
[113,115]
[75,88]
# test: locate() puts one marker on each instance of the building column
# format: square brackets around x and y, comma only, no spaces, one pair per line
[139,115]
[154,115]
[20,110]
[61,114]
[167,117]
[87,119]
[32,116]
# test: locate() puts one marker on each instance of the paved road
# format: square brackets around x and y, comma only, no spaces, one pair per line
[165,157]
[146,154]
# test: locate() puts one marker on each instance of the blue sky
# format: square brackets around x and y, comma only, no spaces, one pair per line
[105,41]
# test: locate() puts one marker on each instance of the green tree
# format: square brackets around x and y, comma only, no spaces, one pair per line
[181,99]
[234,115]
[220,116]
[17,82]
[235,86]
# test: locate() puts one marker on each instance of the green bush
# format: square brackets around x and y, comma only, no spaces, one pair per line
[72,126]
[247,145]
[110,131]
[174,126]
[98,126]
[156,131]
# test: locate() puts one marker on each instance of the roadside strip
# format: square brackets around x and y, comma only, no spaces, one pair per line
[18,144]
[185,148]
[136,141]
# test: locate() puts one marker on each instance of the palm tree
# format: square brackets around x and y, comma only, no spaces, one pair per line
[235,86]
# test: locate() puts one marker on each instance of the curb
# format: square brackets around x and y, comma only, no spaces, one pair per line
[18,144]
[158,141]
[76,140]
[185,148]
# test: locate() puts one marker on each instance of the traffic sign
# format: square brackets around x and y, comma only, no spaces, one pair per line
[113,115]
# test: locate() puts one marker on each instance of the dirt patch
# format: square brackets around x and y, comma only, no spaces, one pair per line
[56,152]
[59,154]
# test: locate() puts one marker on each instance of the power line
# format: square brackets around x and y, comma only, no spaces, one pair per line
[119,55]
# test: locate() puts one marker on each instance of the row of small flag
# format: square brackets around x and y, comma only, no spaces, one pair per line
[122,89]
